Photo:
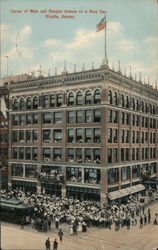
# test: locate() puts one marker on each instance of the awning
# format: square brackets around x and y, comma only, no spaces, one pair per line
[125,192]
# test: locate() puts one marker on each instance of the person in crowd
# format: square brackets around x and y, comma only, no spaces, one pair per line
[47,244]
[55,245]
[141,221]
[145,219]
[60,234]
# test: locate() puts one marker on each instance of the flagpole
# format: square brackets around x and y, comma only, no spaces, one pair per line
[105,60]
[105,36]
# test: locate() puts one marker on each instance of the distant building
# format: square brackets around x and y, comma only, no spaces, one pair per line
[4,102]
[90,134]
[17,78]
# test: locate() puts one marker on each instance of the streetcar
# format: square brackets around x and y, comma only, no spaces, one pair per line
[14,211]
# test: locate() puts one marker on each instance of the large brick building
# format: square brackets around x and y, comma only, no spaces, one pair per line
[90,134]
[4,101]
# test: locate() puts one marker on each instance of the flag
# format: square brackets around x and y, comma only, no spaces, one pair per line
[101,25]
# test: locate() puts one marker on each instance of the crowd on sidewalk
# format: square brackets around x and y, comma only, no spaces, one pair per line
[46,209]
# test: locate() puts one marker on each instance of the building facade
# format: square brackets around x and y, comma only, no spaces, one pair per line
[4,102]
[90,134]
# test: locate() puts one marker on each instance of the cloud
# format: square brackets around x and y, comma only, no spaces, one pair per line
[125,45]
[52,42]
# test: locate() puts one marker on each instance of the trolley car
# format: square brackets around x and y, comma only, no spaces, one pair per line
[14,211]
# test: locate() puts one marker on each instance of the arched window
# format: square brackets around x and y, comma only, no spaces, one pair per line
[15,104]
[110,97]
[146,108]
[137,107]
[79,98]
[71,99]
[133,103]
[35,102]
[154,110]
[28,103]
[122,101]
[88,97]
[127,102]
[151,110]
[97,96]
[22,104]
[142,106]
[115,99]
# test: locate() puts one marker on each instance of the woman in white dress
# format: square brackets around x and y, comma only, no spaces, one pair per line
[71,230]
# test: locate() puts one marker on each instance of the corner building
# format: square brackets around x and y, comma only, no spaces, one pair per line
[90,134]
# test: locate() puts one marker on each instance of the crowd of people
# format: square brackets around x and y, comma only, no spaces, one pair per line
[46,209]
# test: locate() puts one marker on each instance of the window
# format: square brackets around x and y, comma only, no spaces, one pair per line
[110,135]
[35,118]
[71,117]
[15,120]
[74,174]
[146,108]
[143,121]
[71,99]
[146,122]
[59,100]
[15,136]
[123,117]
[122,101]
[97,135]
[133,137]
[70,135]
[35,102]
[137,154]
[125,173]
[79,155]
[57,154]
[127,136]
[146,153]
[15,104]
[46,101]
[142,106]
[88,135]
[28,119]
[110,155]
[17,170]
[113,175]
[30,171]
[79,135]
[52,100]
[127,154]
[115,135]
[46,135]
[70,154]
[133,154]
[143,137]
[79,98]
[21,119]
[88,156]
[57,135]
[88,116]
[97,115]
[46,154]
[110,97]
[97,96]
[79,116]
[133,120]
[137,105]
[34,154]
[46,118]
[122,136]
[115,99]
[137,120]
[127,118]
[127,102]
[133,103]
[21,153]
[136,171]
[35,136]
[21,135]
[96,156]
[28,153]
[92,176]
[115,113]
[28,136]
[88,97]
[137,136]
[122,154]
[22,104]
[110,116]
[28,103]
[15,153]
[115,155]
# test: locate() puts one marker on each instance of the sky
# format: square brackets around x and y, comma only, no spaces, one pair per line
[30,39]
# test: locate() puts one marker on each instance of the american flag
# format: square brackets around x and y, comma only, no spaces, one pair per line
[101,25]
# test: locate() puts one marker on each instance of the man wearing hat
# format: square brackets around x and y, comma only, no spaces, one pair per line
[47,244]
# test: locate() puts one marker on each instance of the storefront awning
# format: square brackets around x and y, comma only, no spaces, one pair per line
[125,192]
